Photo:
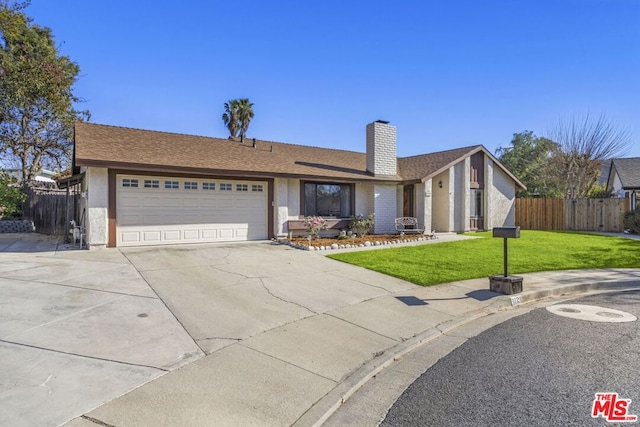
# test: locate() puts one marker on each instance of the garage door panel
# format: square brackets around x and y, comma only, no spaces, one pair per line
[130,237]
[171,235]
[153,236]
[129,201]
[148,219]
[226,233]
[209,234]
[180,215]
[151,201]
[191,235]
[209,202]
[129,219]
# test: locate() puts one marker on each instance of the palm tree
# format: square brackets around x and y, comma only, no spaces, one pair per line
[230,117]
[245,114]
[237,116]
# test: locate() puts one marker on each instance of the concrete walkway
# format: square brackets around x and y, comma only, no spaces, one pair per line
[245,334]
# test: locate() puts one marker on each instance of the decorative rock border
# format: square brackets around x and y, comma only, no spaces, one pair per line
[16,226]
[367,244]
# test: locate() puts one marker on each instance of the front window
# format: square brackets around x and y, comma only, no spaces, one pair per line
[476,203]
[330,200]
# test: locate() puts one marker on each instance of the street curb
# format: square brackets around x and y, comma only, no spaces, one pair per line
[320,412]
[531,296]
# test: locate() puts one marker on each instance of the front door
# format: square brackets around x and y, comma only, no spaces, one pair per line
[408,199]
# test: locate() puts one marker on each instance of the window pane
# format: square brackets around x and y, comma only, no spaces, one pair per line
[345,201]
[476,203]
[309,199]
[328,200]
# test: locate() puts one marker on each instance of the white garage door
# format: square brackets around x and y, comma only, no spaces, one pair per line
[157,210]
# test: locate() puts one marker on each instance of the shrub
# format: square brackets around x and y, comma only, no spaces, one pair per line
[11,197]
[362,225]
[599,191]
[632,221]
[314,225]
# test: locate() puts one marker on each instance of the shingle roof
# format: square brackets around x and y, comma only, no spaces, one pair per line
[137,149]
[629,171]
[102,145]
[427,165]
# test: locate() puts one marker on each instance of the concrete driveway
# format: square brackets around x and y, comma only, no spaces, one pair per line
[288,335]
[80,328]
[77,329]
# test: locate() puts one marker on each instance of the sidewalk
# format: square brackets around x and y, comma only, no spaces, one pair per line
[301,372]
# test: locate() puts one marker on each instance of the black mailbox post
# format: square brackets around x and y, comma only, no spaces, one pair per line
[506,284]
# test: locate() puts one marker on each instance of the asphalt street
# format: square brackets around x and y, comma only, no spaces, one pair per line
[539,369]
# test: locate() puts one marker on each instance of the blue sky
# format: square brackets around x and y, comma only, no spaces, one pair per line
[448,74]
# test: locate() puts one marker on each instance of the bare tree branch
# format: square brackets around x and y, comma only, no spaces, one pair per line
[584,144]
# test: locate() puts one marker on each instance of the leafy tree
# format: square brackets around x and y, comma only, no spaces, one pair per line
[599,191]
[583,146]
[528,159]
[11,196]
[237,116]
[37,104]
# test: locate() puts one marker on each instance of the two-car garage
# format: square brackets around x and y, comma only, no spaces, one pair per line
[155,210]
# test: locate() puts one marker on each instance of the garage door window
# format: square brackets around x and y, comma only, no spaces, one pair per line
[257,188]
[131,183]
[190,185]
[226,187]
[151,183]
[172,185]
[242,187]
[208,185]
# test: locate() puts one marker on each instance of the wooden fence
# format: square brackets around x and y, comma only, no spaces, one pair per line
[52,209]
[565,214]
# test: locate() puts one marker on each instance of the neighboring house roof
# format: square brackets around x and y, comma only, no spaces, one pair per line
[144,150]
[604,172]
[43,176]
[628,171]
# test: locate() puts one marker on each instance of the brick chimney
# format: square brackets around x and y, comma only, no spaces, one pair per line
[381,148]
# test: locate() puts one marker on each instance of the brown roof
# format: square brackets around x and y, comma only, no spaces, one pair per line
[126,148]
[144,150]
[423,166]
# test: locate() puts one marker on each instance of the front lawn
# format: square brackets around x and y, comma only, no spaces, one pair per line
[474,258]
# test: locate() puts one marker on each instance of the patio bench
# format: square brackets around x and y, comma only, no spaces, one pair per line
[409,225]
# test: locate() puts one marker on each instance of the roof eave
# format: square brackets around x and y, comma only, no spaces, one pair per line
[143,167]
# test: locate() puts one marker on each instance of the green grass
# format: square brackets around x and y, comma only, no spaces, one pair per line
[475,258]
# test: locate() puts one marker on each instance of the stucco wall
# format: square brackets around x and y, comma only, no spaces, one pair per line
[287,200]
[97,202]
[465,195]
[617,186]
[440,205]
[501,200]
[364,194]
[456,196]
[423,204]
